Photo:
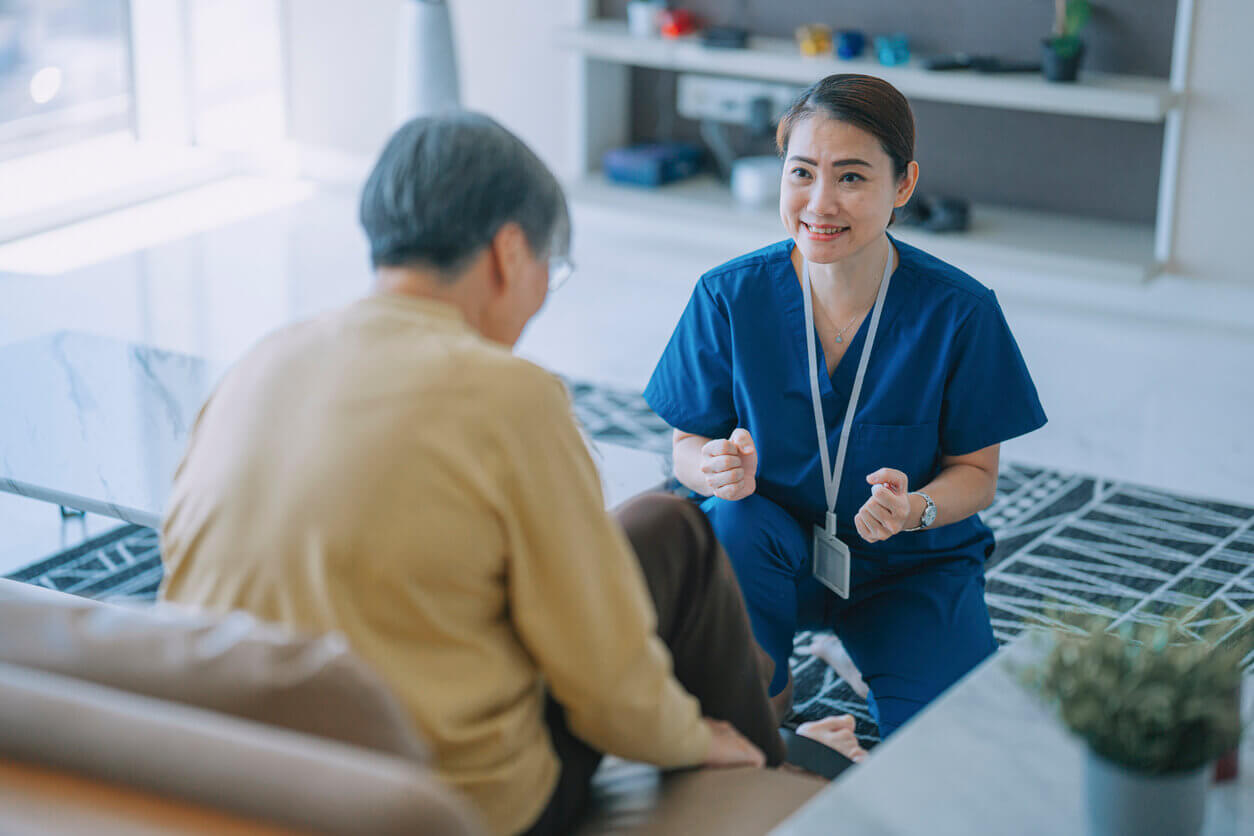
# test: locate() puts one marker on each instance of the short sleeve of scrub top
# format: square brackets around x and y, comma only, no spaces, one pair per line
[692,390]
[989,396]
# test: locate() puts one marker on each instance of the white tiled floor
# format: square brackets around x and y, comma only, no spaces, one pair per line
[1149,384]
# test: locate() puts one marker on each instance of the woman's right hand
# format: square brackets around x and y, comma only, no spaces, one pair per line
[729,747]
[730,465]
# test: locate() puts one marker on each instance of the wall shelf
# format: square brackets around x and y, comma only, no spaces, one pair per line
[1000,240]
[1120,97]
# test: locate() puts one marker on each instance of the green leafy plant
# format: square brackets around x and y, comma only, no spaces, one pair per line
[1070,16]
[1152,698]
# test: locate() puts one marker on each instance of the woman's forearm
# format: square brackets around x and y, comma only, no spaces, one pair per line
[959,491]
[686,454]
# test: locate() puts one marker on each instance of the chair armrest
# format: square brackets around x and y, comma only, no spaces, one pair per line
[224,762]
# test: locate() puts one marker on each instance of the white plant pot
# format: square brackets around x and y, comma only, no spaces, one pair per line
[1121,801]
[755,181]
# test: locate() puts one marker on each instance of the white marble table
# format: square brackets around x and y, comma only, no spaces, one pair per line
[98,424]
[986,757]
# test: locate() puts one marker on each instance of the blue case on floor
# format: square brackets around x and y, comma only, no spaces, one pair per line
[652,164]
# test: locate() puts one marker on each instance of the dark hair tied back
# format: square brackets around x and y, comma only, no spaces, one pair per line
[864,101]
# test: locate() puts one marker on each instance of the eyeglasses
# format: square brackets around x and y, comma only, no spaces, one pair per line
[560,269]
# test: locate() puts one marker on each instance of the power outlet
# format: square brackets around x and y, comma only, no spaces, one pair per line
[728,99]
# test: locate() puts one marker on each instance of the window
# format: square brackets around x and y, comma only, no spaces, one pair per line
[64,73]
[108,104]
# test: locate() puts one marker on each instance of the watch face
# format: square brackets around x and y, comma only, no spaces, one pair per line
[929,515]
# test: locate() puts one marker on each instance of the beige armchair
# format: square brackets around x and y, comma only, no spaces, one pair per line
[160,719]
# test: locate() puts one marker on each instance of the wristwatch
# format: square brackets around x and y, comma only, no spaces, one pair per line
[929,512]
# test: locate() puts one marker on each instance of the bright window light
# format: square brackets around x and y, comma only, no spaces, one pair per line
[45,85]
[148,224]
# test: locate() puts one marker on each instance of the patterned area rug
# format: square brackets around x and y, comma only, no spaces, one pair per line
[119,564]
[1066,543]
[1076,544]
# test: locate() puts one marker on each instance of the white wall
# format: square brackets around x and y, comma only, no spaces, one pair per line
[340,60]
[342,68]
[511,70]
[1216,186]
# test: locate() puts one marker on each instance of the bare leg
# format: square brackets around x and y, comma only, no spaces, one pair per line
[831,651]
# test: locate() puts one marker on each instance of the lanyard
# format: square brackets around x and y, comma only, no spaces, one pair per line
[831,480]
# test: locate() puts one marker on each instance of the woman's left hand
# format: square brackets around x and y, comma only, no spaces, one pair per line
[887,512]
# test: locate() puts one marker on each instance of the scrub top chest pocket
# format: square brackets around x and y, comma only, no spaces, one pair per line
[914,449]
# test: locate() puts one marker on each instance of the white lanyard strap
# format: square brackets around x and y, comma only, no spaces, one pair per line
[831,479]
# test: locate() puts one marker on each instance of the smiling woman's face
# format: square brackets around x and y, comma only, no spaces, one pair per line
[839,189]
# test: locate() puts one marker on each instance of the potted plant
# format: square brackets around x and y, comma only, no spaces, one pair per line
[1156,705]
[1062,51]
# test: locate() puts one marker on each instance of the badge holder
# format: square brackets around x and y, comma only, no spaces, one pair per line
[831,558]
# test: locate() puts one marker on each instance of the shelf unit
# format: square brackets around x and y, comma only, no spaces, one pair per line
[1019,240]
[1000,237]
[1131,98]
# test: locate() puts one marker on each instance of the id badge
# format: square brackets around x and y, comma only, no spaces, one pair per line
[831,558]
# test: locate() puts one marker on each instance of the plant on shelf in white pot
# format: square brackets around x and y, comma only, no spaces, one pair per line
[1157,705]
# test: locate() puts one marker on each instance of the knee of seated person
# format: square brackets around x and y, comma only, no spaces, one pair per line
[668,518]
[743,517]
[652,506]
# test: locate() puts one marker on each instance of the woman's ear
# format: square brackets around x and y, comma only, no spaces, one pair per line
[905,186]
[509,257]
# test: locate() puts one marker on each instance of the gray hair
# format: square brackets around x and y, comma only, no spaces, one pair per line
[445,185]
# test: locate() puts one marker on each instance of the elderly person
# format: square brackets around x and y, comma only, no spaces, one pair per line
[392,471]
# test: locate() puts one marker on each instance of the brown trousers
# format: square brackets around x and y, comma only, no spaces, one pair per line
[702,619]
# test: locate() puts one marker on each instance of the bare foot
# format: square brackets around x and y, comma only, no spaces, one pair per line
[831,651]
[836,732]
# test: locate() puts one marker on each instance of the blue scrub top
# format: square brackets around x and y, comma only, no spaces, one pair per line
[945,377]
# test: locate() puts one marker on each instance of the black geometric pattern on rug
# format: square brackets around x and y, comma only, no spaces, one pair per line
[1065,543]
[619,416]
[121,563]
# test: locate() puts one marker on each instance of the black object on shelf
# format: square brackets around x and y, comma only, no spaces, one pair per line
[979,63]
[936,214]
[1061,65]
[761,118]
[725,37]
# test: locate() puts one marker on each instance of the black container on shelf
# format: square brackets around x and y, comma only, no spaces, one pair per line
[1061,65]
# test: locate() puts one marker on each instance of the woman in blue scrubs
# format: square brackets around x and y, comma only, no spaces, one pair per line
[942,383]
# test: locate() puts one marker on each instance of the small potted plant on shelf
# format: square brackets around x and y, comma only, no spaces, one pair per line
[1157,705]
[1062,51]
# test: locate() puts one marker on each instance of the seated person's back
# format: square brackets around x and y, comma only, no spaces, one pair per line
[371,471]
